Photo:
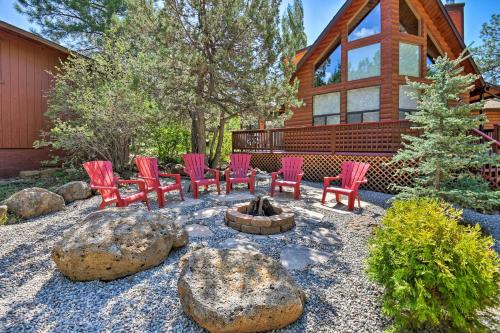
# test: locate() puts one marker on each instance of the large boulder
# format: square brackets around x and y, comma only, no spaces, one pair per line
[116,242]
[227,290]
[34,201]
[76,190]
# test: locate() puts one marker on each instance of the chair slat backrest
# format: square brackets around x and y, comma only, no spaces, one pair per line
[240,164]
[148,167]
[101,174]
[291,167]
[352,172]
[195,165]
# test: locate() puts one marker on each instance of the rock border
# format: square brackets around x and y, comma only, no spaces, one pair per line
[237,219]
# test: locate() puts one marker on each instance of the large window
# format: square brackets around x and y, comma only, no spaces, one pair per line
[328,71]
[408,22]
[407,104]
[363,62]
[409,59]
[369,24]
[363,105]
[326,109]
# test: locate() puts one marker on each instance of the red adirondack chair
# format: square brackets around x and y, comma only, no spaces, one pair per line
[353,175]
[104,180]
[291,169]
[148,170]
[195,167]
[240,165]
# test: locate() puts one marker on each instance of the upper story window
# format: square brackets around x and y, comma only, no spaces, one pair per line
[408,21]
[363,62]
[326,109]
[328,71]
[409,59]
[369,24]
[432,51]
[363,105]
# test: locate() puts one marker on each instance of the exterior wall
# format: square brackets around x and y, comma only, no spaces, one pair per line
[23,83]
[316,166]
[432,23]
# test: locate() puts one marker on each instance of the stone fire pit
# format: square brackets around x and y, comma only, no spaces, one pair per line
[240,218]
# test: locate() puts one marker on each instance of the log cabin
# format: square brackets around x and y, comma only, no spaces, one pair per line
[352,81]
[25,60]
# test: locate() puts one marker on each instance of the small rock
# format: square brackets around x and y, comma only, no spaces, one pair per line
[76,190]
[238,291]
[116,242]
[198,230]
[296,257]
[34,201]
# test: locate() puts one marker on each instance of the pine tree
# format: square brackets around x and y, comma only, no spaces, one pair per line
[488,55]
[443,157]
[292,28]
[79,24]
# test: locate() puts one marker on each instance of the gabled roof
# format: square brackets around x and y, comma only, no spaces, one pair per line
[31,36]
[346,5]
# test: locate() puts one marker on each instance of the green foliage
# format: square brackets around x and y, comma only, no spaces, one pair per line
[81,24]
[102,107]
[436,273]
[292,29]
[442,158]
[170,141]
[487,55]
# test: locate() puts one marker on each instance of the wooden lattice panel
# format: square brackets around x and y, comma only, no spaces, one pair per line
[316,166]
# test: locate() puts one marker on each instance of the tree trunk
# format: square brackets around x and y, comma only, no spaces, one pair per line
[198,136]
[214,162]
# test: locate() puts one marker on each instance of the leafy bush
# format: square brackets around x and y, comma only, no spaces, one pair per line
[170,141]
[436,273]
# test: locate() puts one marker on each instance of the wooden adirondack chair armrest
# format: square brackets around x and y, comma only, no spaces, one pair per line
[171,175]
[274,175]
[363,181]
[141,183]
[299,176]
[95,187]
[328,180]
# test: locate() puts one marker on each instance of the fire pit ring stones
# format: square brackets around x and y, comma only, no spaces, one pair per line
[237,218]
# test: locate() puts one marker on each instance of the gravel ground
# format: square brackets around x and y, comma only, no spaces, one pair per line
[35,297]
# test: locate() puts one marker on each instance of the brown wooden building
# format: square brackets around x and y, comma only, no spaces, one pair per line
[24,61]
[352,81]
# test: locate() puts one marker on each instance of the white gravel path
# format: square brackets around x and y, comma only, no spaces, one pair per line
[35,297]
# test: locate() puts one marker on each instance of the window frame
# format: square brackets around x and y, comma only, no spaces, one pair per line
[337,42]
[419,61]
[350,27]
[362,112]
[326,115]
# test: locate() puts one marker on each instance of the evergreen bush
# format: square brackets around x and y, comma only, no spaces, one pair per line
[436,272]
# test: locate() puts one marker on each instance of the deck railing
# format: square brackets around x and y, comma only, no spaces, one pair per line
[491,172]
[376,137]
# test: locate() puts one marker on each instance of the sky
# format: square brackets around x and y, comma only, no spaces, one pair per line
[317,14]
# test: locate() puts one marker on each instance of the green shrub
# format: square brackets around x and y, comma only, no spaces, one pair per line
[436,272]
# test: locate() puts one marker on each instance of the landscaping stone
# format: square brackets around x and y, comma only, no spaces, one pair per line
[27,174]
[34,201]
[208,212]
[238,291]
[116,242]
[198,230]
[76,190]
[296,257]
[234,197]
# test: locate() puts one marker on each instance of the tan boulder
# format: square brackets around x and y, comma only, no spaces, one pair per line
[34,201]
[76,190]
[226,291]
[116,242]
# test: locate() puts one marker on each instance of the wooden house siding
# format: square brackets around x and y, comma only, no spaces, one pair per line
[24,82]
[432,23]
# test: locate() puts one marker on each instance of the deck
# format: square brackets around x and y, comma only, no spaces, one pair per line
[377,138]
